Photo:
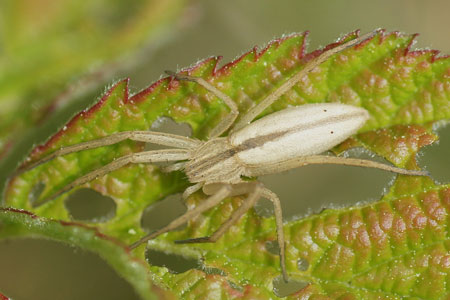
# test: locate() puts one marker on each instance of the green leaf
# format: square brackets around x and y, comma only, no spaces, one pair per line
[350,252]
[47,49]
[18,223]
[395,248]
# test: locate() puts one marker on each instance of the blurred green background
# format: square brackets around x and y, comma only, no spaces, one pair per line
[179,37]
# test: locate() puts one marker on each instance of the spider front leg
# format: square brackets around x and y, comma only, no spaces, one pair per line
[226,122]
[134,158]
[289,84]
[160,138]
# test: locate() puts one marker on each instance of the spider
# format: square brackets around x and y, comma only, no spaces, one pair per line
[221,166]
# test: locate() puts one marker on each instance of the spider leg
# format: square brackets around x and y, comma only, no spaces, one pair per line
[272,168]
[166,139]
[212,201]
[268,194]
[226,122]
[173,167]
[134,158]
[266,102]
[192,189]
[254,190]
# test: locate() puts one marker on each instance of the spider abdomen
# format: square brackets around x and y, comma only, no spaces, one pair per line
[297,131]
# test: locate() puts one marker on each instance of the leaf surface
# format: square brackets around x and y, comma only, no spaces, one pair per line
[18,223]
[350,252]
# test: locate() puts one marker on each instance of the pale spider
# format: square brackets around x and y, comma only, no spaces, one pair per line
[280,141]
